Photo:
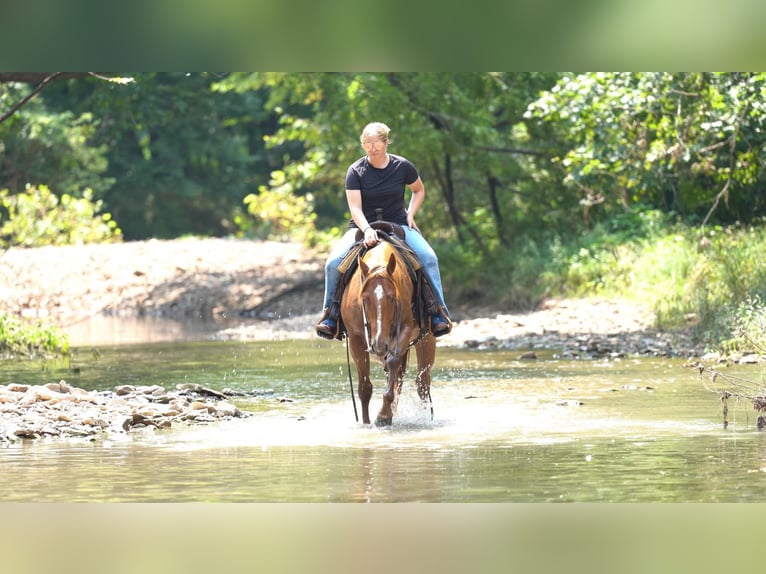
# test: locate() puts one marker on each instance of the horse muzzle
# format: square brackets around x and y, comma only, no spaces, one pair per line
[380,349]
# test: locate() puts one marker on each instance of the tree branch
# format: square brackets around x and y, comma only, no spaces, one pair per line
[34,77]
[44,78]
[508,150]
[29,96]
[718,197]
[724,193]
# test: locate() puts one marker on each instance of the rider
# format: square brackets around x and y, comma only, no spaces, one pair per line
[377,181]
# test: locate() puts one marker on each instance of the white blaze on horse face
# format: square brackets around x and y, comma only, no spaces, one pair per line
[379,296]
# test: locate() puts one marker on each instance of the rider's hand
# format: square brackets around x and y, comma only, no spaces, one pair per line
[411,222]
[370,237]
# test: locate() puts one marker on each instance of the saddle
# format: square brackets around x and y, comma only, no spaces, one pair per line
[387,231]
[424,303]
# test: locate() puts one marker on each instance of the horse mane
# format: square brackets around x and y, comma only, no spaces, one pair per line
[378,258]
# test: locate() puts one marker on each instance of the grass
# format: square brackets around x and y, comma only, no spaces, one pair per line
[712,283]
[18,338]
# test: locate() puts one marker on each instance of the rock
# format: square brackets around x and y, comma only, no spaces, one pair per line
[38,393]
[60,387]
[154,390]
[569,403]
[227,410]
[60,410]
[200,390]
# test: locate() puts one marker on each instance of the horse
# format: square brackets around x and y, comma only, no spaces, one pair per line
[376,309]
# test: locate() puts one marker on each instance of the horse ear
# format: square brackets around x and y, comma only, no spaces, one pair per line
[364,268]
[391,264]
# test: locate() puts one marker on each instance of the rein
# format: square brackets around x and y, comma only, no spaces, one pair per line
[397,320]
[350,382]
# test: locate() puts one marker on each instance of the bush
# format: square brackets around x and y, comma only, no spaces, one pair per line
[38,217]
[727,278]
[277,213]
[18,338]
[601,261]
[748,322]
[712,283]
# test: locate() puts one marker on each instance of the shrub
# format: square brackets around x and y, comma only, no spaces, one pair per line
[19,338]
[278,214]
[38,217]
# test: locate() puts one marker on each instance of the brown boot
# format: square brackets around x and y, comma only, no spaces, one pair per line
[326,328]
[440,325]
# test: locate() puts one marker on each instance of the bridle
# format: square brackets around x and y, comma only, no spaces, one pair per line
[377,274]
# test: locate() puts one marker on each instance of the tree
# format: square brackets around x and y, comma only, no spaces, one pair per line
[42,79]
[688,143]
[178,158]
[40,145]
[465,132]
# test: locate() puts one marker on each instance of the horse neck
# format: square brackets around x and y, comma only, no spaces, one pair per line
[378,255]
[377,259]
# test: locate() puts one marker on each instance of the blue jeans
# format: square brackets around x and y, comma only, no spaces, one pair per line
[415,240]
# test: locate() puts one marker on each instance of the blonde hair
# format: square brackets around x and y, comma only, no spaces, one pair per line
[375,129]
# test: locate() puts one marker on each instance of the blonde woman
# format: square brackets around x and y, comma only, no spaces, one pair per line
[378,181]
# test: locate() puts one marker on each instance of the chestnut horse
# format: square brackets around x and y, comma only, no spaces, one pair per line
[377,312]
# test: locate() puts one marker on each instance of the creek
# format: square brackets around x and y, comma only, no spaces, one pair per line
[504,430]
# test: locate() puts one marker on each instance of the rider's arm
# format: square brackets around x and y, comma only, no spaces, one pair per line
[416,200]
[354,198]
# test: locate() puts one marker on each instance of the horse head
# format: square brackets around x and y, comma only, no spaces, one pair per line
[381,307]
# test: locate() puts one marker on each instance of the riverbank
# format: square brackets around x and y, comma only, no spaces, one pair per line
[268,290]
[247,290]
[59,410]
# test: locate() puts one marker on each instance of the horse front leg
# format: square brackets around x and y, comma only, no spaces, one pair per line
[426,353]
[393,385]
[362,363]
[399,382]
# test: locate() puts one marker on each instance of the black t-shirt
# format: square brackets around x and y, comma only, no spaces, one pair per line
[382,188]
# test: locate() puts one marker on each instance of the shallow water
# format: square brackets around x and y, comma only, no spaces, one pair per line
[504,430]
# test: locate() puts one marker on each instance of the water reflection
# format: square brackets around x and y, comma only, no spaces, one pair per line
[669,470]
[504,430]
[113,330]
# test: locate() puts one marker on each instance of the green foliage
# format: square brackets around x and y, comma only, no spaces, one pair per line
[748,327]
[182,155]
[640,184]
[711,283]
[729,270]
[278,213]
[28,340]
[464,131]
[682,142]
[693,281]
[40,144]
[601,261]
[37,217]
